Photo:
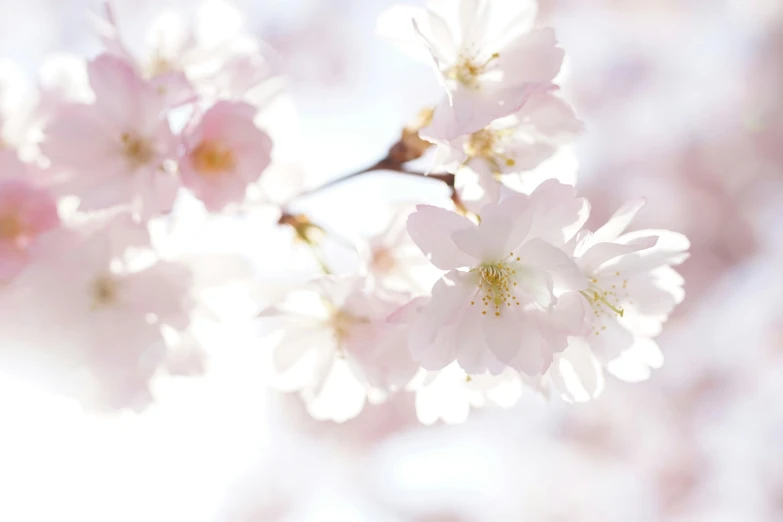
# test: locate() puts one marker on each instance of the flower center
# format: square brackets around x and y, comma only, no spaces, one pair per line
[137,150]
[11,227]
[606,303]
[486,145]
[212,158]
[382,260]
[496,285]
[341,323]
[467,71]
[104,291]
[159,65]
[480,144]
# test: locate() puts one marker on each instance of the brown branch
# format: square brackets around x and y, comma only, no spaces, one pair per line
[408,148]
[446,178]
[384,164]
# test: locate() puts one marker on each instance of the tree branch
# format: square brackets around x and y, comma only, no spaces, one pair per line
[387,164]
[408,148]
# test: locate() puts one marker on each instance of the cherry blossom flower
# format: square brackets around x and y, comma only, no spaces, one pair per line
[632,290]
[337,347]
[498,306]
[114,150]
[396,262]
[510,145]
[26,212]
[224,153]
[87,320]
[180,50]
[489,58]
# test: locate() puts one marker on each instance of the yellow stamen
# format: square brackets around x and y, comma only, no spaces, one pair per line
[212,158]
[467,72]
[104,290]
[136,149]
[11,227]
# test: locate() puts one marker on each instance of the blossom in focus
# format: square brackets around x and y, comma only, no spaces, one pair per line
[337,347]
[498,305]
[224,153]
[114,151]
[513,144]
[87,319]
[26,212]
[632,290]
[489,58]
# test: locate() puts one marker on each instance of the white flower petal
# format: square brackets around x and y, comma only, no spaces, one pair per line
[431,228]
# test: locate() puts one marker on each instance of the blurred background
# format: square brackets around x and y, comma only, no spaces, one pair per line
[683,104]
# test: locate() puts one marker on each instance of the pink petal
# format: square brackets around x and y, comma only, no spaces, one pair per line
[537,286]
[567,318]
[228,126]
[383,356]
[121,96]
[559,213]
[76,138]
[294,345]
[601,253]
[432,340]
[611,342]
[476,188]
[472,110]
[671,249]
[551,116]
[533,57]
[473,21]
[10,165]
[577,373]
[565,273]
[473,352]
[530,356]
[431,228]
[12,261]
[619,221]
[502,333]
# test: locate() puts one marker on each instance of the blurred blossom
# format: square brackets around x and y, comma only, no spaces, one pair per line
[115,150]
[337,346]
[26,212]
[394,260]
[225,152]
[84,288]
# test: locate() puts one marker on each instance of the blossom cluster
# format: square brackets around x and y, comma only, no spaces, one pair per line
[507,289]
[528,296]
[107,152]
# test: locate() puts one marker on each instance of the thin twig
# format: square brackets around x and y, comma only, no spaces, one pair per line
[446,178]
[385,164]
